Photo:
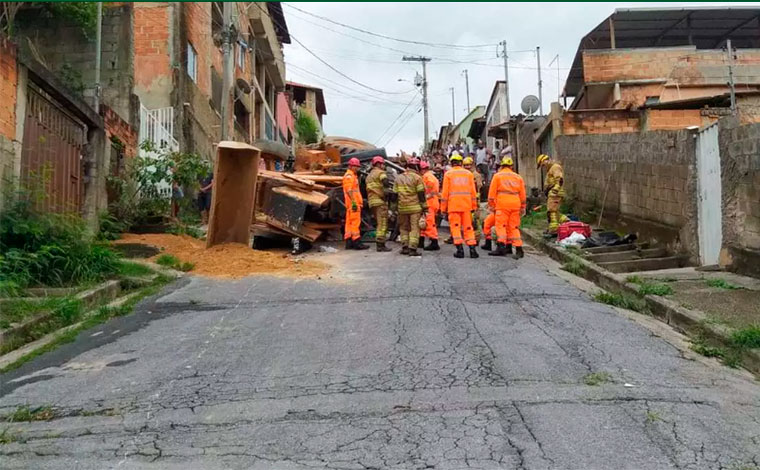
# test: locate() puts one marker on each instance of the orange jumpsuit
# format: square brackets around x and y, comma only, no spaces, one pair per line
[351,196]
[459,200]
[507,196]
[432,193]
[488,225]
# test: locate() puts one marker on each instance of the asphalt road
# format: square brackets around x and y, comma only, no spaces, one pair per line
[390,363]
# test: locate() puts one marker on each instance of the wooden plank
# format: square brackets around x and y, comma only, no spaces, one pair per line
[291,181]
[322,225]
[306,233]
[263,228]
[298,179]
[313,198]
[326,179]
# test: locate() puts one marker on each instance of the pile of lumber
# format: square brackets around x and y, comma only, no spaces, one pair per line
[294,204]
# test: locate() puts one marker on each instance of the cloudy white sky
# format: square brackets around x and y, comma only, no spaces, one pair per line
[357,111]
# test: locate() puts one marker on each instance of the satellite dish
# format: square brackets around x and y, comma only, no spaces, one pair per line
[530,104]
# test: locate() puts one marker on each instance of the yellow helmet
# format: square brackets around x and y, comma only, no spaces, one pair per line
[455,157]
[467,161]
[541,159]
[507,161]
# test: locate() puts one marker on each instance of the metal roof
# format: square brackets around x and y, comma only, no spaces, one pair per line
[702,27]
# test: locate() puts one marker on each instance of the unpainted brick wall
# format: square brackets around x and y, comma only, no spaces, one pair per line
[153,76]
[651,177]
[600,122]
[8,83]
[675,119]
[119,128]
[740,176]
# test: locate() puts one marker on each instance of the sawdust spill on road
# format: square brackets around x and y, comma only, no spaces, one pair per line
[229,260]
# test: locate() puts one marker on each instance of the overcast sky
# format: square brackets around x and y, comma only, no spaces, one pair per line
[356,111]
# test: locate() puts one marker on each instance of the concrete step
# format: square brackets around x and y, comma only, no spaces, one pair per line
[628,255]
[614,249]
[646,264]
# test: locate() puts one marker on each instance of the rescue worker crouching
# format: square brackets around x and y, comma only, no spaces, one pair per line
[378,192]
[410,194]
[554,189]
[353,200]
[432,195]
[459,201]
[506,196]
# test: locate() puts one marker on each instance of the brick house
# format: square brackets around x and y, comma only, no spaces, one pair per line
[310,97]
[663,69]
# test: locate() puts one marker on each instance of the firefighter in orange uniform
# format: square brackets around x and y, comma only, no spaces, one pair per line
[353,199]
[459,201]
[506,196]
[432,194]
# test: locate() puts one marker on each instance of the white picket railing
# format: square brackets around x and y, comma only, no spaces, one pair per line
[157,127]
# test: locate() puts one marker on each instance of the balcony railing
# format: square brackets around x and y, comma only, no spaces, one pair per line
[157,127]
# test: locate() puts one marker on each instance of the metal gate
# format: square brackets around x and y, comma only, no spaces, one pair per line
[51,157]
[709,215]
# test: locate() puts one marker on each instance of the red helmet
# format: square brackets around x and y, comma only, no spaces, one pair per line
[354,162]
[413,161]
[377,159]
[424,165]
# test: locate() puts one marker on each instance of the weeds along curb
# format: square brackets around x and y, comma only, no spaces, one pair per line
[690,322]
[103,292]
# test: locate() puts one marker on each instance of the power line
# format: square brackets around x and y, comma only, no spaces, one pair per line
[408,41]
[326,63]
[408,119]
[414,98]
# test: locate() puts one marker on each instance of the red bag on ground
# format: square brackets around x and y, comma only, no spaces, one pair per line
[568,228]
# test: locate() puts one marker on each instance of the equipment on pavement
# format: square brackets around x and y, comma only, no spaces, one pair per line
[566,229]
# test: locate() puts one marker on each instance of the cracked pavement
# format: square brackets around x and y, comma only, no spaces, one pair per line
[392,362]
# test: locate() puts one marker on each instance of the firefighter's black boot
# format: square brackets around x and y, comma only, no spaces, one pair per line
[460,252]
[500,250]
[449,241]
[474,252]
[381,247]
[487,245]
[414,252]
[508,249]
[404,250]
[349,244]
[433,245]
[518,253]
[358,245]
[421,243]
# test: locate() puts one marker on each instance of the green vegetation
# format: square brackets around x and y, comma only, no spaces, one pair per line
[44,249]
[65,311]
[574,266]
[307,127]
[7,436]
[623,300]
[171,261]
[26,414]
[104,313]
[534,218]
[748,337]
[181,228]
[129,269]
[653,417]
[655,288]
[634,279]
[597,378]
[721,284]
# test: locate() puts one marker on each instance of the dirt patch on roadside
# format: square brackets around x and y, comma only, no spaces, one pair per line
[738,308]
[230,260]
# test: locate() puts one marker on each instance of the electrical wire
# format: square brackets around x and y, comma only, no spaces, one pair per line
[326,63]
[403,125]
[407,41]
[414,98]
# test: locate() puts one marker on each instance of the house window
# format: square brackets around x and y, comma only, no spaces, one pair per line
[241,52]
[192,62]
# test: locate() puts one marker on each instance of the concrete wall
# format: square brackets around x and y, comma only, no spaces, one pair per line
[651,178]
[62,45]
[527,151]
[740,174]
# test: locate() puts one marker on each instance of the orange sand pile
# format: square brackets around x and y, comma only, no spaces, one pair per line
[230,260]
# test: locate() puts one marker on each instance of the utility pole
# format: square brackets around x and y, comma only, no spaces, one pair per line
[503,45]
[226,67]
[453,108]
[731,84]
[467,88]
[424,61]
[540,83]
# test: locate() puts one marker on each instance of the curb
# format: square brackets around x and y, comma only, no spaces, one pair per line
[686,321]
